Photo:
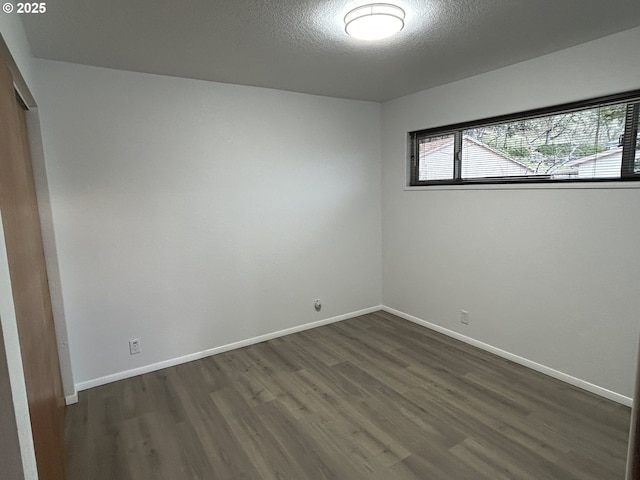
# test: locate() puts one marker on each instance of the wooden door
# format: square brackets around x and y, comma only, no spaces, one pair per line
[25,253]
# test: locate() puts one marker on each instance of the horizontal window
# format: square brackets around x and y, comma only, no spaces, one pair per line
[586,141]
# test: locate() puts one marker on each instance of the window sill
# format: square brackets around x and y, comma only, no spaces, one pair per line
[614,185]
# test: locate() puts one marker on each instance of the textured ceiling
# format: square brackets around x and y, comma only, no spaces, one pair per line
[300,45]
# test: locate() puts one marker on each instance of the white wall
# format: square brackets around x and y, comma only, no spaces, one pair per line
[15,37]
[548,274]
[192,214]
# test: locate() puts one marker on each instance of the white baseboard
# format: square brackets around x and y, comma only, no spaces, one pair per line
[576,382]
[71,399]
[213,351]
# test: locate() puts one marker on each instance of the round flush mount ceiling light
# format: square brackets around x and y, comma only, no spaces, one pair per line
[374,21]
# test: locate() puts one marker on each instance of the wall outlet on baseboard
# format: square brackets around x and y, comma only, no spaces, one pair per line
[317,304]
[134,346]
[464,317]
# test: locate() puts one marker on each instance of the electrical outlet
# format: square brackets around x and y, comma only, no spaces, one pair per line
[134,346]
[317,304]
[464,317]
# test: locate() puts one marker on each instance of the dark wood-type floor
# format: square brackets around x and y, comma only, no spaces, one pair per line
[374,397]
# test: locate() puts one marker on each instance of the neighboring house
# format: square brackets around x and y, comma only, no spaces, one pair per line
[436,160]
[604,164]
[478,160]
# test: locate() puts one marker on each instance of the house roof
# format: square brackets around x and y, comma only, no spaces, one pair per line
[433,146]
[597,156]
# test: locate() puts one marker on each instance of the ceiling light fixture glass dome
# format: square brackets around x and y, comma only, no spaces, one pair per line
[374,21]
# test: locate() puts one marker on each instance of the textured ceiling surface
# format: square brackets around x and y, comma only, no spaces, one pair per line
[301,46]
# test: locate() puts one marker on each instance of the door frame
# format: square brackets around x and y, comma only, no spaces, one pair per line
[9,334]
[46,221]
[633,452]
[9,331]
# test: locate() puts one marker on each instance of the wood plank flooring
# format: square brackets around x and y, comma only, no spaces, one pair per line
[374,397]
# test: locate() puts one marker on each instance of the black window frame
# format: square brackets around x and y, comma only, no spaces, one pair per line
[632,98]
